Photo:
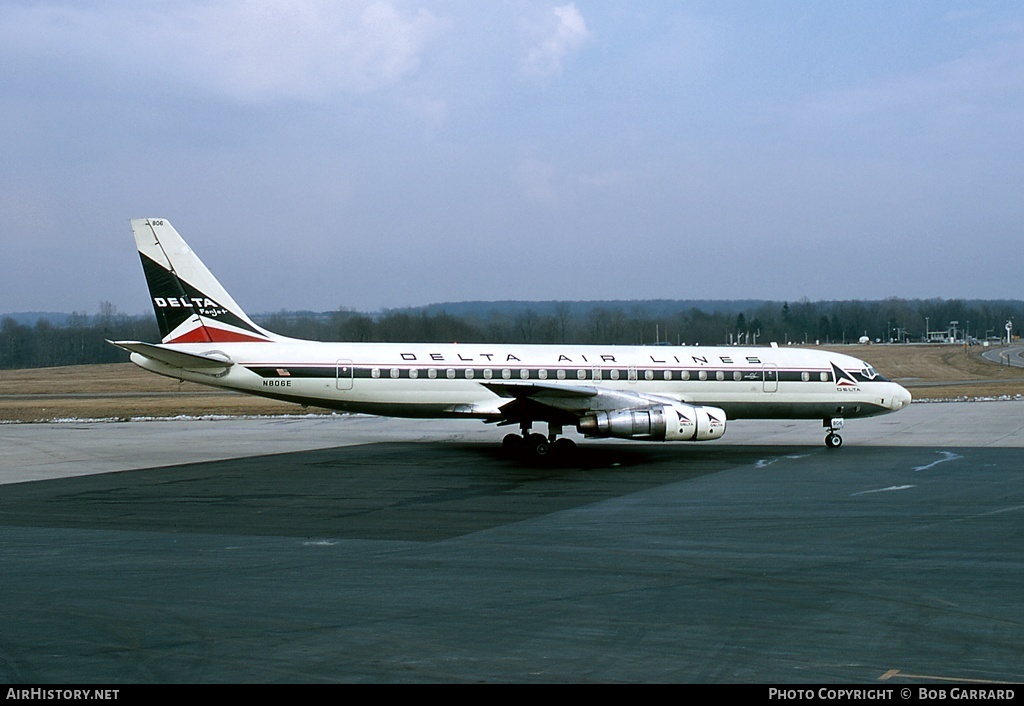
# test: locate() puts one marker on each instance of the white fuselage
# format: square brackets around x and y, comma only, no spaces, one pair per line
[458,380]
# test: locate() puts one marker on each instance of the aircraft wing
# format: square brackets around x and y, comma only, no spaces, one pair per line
[176,359]
[506,388]
[563,404]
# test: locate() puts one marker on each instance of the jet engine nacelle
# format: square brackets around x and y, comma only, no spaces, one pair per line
[668,422]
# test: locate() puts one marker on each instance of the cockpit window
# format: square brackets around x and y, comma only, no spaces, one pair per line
[871,374]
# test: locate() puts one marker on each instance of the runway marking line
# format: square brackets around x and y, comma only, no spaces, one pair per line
[947,456]
[882,490]
[1005,509]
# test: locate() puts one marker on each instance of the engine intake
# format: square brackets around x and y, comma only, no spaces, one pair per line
[675,422]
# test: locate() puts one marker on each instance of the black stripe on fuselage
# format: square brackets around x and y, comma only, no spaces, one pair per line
[545,373]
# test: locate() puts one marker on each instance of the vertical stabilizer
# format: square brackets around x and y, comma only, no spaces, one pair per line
[191,305]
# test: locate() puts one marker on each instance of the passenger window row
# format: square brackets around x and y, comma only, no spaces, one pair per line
[630,374]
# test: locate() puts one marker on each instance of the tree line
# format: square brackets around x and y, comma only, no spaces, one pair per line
[82,338]
[79,340]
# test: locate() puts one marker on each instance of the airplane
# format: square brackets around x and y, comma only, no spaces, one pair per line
[648,393]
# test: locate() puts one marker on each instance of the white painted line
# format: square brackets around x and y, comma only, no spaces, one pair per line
[947,456]
[882,490]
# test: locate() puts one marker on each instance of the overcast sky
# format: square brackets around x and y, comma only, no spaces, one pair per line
[371,155]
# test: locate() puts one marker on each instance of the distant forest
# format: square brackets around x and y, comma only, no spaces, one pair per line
[79,338]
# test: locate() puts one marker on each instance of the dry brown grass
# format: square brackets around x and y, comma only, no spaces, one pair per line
[120,391]
[123,391]
[90,379]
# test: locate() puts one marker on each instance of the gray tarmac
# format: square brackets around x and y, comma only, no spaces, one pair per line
[356,549]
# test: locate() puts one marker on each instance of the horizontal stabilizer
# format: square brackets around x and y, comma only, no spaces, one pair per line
[177,359]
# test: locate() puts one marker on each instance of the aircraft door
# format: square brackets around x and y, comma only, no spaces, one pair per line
[344,375]
[770,375]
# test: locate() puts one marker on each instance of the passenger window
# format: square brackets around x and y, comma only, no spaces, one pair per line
[414,373]
[614,374]
[805,376]
[395,373]
[469,373]
[737,376]
[581,374]
[703,375]
[506,374]
[487,373]
[432,373]
[720,375]
[375,373]
[648,375]
[825,377]
[524,374]
[560,374]
[542,374]
[450,373]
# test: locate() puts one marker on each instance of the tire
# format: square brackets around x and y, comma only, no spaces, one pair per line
[512,443]
[538,445]
[563,448]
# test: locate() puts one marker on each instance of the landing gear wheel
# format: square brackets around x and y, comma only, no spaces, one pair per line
[832,426]
[538,445]
[563,448]
[513,443]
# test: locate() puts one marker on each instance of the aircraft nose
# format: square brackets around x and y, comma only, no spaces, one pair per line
[901,398]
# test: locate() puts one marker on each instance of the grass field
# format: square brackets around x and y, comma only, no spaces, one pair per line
[124,391]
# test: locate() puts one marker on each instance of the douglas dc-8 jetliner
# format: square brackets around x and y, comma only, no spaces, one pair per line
[629,392]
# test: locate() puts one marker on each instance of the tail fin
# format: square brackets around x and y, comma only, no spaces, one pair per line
[191,305]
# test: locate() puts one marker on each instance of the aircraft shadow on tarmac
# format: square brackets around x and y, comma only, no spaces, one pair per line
[387,491]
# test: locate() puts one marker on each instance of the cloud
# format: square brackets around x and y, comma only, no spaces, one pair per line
[306,50]
[248,51]
[967,102]
[562,32]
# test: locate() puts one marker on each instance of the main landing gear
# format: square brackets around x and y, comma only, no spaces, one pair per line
[832,439]
[537,446]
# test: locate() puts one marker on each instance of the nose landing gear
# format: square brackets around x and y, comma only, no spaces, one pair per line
[832,438]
